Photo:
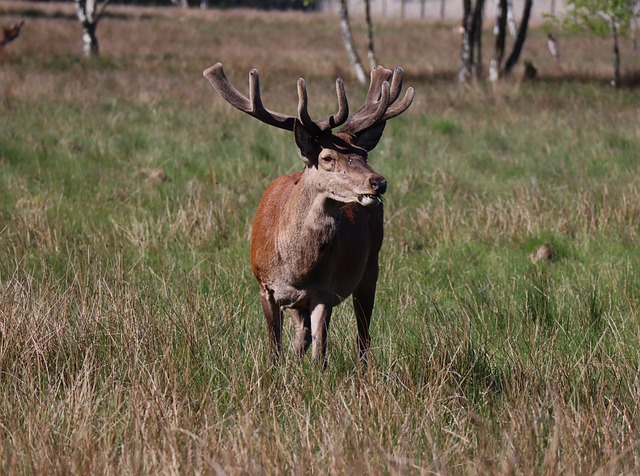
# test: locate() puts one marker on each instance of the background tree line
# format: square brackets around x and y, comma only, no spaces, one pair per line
[612,18]
[260,4]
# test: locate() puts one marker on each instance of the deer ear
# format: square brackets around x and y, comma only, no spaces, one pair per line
[369,139]
[308,148]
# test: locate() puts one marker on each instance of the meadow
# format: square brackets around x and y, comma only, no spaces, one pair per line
[131,335]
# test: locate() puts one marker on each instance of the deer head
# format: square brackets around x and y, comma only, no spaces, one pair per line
[336,163]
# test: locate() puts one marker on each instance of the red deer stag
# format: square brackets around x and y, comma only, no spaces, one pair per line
[7,35]
[317,233]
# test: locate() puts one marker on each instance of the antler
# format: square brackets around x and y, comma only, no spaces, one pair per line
[381,95]
[254,107]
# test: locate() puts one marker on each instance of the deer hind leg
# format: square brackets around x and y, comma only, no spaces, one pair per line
[320,317]
[273,315]
[363,299]
[302,324]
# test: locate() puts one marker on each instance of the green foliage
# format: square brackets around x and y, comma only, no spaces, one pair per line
[597,15]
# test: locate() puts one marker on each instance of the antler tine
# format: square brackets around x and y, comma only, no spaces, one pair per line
[396,84]
[252,105]
[396,87]
[373,106]
[401,106]
[303,109]
[378,75]
[372,111]
[327,122]
[337,119]
[377,107]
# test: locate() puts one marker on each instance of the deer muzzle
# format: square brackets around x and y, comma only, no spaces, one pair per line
[378,185]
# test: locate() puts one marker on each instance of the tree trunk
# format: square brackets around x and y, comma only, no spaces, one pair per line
[478,15]
[634,33]
[466,56]
[471,50]
[345,27]
[511,21]
[616,56]
[520,39]
[501,34]
[373,61]
[90,40]
[86,12]
[442,9]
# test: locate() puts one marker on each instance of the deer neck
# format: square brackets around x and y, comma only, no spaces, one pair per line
[311,208]
[308,223]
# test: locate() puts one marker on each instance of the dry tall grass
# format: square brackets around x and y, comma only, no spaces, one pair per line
[131,339]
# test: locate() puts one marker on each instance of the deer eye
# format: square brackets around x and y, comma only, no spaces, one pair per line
[328,161]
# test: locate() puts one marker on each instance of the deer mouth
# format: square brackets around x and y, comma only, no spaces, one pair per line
[369,199]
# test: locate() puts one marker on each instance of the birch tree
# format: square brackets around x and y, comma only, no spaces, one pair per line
[500,32]
[502,22]
[601,17]
[471,48]
[521,36]
[633,25]
[511,20]
[371,54]
[89,15]
[345,28]
[184,3]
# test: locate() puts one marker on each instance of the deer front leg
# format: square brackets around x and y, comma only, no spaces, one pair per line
[320,317]
[363,299]
[302,324]
[273,316]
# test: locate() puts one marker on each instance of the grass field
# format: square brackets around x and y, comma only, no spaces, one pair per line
[131,335]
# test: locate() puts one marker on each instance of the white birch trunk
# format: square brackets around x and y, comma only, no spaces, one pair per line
[373,61]
[616,56]
[634,33]
[511,20]
[86,12]
[345,27]
[500,34]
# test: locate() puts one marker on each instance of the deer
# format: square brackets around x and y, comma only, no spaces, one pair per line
[317,234]
[9,34]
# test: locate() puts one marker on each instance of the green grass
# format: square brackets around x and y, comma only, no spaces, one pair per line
[131,335]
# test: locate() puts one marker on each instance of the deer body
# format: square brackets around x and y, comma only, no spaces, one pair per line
[309,254]
[317,234]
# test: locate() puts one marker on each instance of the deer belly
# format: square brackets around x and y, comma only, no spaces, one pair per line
[321,286]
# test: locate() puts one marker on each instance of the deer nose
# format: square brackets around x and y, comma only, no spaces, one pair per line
[378,184]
